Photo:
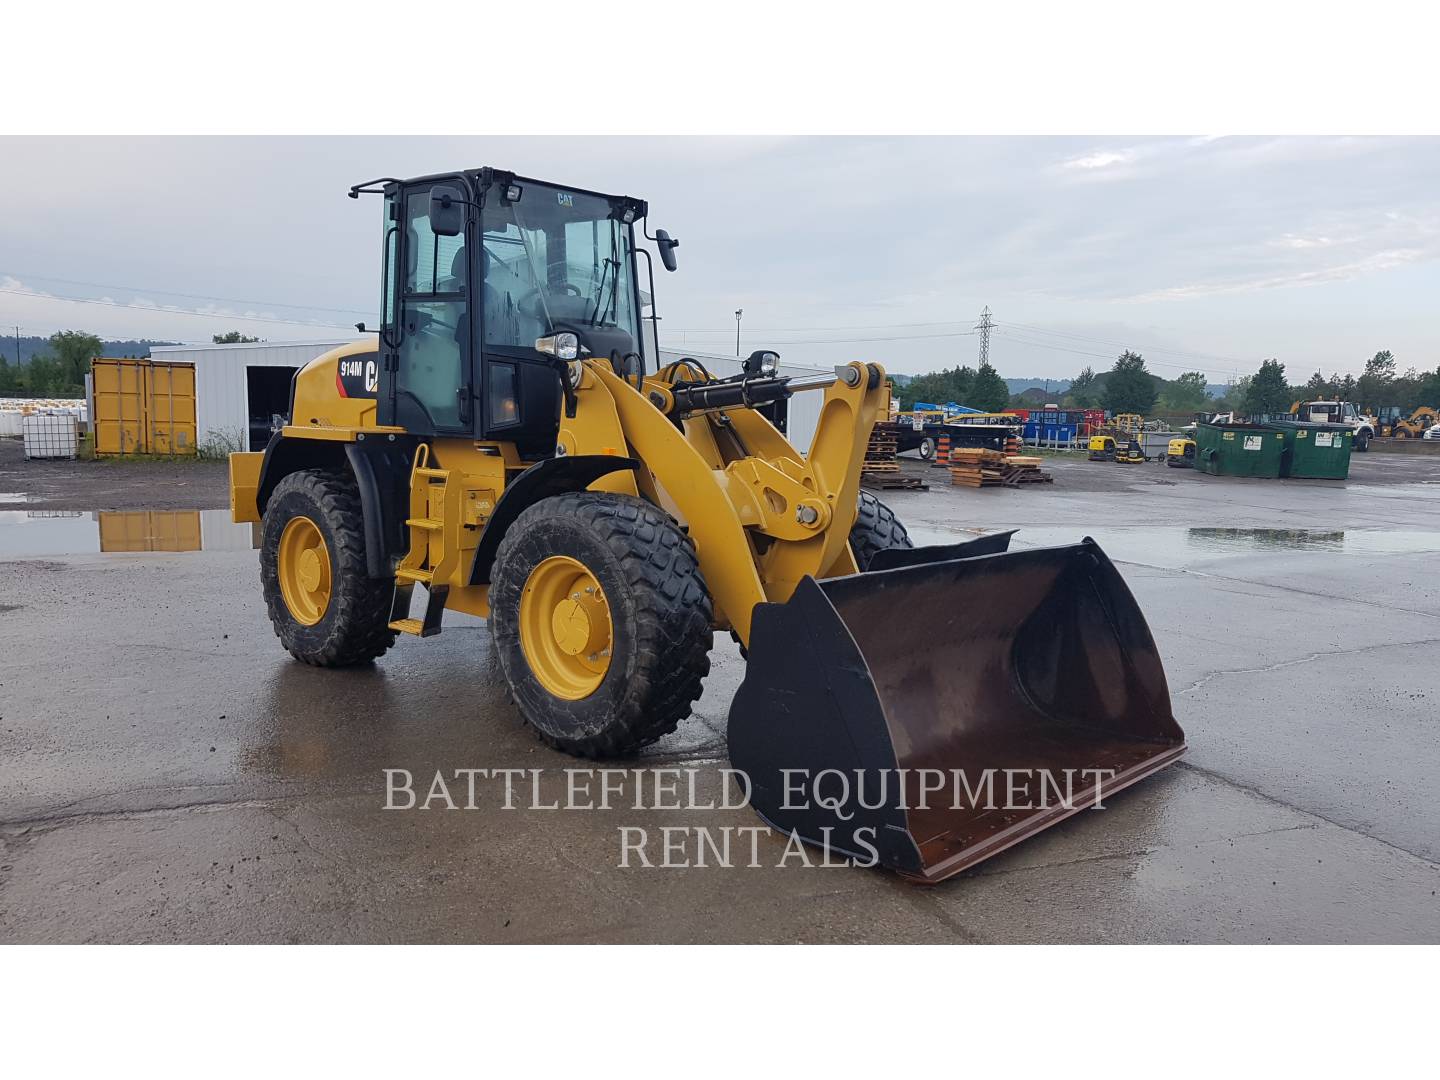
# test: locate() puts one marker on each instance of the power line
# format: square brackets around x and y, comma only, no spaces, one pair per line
[175,311]
[188,296]
[811,329]
[1128,344]
[849,341]
[1100,356]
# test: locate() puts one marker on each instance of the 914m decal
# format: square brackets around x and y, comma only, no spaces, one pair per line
[358,376]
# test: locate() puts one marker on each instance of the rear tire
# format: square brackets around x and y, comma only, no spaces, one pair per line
[343,620]
[647,584]
[876,529]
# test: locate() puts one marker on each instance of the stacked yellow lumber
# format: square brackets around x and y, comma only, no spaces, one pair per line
[976,467]
[990,468]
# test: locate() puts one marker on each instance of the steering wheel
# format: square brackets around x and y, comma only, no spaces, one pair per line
[532,304]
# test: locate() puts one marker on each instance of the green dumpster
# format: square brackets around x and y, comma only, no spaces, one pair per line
[1239,449]
[1315,451]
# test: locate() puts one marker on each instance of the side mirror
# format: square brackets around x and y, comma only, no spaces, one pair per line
[667,248]
[447,211]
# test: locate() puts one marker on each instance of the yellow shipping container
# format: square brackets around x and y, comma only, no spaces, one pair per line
[143,407]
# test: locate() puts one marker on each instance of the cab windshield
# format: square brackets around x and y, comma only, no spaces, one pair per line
[554,256]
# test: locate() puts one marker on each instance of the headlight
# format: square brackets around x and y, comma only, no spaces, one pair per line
[762,362]
[564,346]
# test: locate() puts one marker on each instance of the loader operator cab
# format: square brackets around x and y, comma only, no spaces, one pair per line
[481,266]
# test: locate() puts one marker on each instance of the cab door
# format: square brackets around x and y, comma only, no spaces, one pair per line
[426,343]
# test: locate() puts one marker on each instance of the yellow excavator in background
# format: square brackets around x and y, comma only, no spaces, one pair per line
[511,445]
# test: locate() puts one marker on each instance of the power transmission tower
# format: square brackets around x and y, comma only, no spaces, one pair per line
[984,328]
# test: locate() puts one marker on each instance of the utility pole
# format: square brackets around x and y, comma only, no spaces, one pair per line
[738,312]
[984,327]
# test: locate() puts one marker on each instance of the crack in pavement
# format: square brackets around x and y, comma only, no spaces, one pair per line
[1223,779]
[1311,658]
[50,822]
[57,813]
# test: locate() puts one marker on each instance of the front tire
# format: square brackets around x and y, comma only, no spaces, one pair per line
[1362,442]
[927,449]
[601,622]
[325,607]
[876,529]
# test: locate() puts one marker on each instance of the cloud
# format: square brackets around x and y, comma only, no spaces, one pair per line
[1371,264]
[1101,159]
[801,232]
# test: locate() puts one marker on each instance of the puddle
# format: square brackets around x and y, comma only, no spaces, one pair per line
[1175,545]
[97,532]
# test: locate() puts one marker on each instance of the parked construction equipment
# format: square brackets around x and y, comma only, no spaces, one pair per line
[508,447]
[1102,448]
[1131,453]
[1415,426]
[1128,423]
[1180,453]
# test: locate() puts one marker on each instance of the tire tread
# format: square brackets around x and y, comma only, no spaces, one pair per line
[672,611]
[359,633]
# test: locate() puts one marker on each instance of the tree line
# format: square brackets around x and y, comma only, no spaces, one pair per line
[1129,387]
[981,388]
[59,371]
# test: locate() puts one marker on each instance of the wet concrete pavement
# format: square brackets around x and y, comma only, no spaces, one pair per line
[168,774]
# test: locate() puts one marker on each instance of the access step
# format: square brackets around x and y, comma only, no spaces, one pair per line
[400,620]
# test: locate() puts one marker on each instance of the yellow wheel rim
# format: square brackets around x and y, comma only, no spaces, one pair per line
[565,629]
[304,566]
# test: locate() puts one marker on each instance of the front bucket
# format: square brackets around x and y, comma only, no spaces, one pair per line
[932,715]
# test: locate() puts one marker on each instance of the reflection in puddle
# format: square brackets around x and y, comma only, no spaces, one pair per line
[75,532]
[1250,539]
[1158,543]
[1178,544]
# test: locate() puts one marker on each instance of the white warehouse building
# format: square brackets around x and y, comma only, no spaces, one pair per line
[240,388]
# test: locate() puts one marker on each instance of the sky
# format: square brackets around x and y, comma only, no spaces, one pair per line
[1202,253]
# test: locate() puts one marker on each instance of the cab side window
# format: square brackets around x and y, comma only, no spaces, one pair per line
[434,353]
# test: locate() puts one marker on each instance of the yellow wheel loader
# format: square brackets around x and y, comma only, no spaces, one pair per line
[510,443]
[1415,426]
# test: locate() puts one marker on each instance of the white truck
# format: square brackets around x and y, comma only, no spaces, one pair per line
[1340,412]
